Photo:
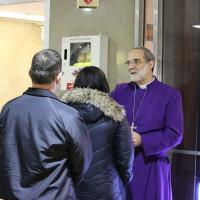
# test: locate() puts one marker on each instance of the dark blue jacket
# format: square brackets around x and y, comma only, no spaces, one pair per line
[44,148]
[111,167]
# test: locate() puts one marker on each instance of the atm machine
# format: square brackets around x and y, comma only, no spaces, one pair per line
[82,51]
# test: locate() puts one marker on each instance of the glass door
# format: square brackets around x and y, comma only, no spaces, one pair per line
[171,29]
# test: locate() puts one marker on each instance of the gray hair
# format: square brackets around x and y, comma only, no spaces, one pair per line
[46,65]
[148,55]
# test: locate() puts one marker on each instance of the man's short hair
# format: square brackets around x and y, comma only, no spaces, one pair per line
[46,65]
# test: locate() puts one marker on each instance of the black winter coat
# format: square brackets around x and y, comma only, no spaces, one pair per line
[111,167]
[44,148]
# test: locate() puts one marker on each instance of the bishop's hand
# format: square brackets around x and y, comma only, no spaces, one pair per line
[137,140]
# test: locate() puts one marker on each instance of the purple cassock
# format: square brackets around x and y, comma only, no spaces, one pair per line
[157,114]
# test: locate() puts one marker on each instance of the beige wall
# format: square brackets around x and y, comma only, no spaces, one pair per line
[113,18]
[19,41]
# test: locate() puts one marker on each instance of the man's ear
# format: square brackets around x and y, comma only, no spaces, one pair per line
[151,62]
[58,77]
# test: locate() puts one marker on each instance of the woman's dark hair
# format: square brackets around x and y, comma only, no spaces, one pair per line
[92,77]
[46,65]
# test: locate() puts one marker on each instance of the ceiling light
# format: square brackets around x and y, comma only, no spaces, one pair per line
[196,26]
[22,16]
[86,9]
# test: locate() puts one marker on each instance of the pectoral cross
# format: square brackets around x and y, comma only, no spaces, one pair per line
[133,127]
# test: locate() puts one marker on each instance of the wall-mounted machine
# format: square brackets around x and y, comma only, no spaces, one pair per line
[82,51]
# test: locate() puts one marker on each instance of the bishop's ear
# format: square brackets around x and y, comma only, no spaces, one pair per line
[151,63]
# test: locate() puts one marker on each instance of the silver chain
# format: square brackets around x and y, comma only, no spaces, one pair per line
[135,114]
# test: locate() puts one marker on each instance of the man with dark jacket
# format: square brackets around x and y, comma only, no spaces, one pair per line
[44,144]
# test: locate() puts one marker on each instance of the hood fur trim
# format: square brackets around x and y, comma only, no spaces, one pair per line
[97,98]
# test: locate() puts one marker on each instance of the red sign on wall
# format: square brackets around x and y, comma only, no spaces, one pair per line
[87,3]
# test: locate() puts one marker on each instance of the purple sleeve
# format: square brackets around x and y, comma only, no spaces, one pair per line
[161,141]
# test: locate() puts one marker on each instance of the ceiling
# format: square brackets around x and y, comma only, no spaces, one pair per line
[33,8]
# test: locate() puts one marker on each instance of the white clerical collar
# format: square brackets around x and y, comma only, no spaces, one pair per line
[144,86]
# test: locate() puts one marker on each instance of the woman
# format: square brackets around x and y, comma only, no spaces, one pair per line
[111,167]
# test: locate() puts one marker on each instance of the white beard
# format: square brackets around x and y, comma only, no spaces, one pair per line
[139,74]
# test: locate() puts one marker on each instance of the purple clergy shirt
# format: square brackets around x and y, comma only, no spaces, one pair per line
[159,121]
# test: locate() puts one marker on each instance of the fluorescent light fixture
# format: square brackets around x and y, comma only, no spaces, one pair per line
[22,16]
[196,26]
[198,191]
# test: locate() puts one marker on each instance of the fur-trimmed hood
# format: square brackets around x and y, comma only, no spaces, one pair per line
[100,102]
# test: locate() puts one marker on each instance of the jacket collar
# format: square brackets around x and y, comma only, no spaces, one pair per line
[40,92]
[98,99]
